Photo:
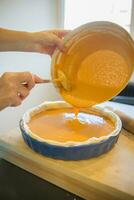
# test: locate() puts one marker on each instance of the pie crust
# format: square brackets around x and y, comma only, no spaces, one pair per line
[60,104]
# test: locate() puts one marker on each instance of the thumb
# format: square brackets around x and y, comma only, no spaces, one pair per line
[59,43]
[38,79]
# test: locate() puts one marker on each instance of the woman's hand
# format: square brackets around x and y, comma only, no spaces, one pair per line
[47,41]
[15,87]
[41,42]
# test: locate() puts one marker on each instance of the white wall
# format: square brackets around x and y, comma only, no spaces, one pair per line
[29,15]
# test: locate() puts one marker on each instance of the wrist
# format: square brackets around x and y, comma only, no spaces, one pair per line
[26,42]
[36,41]
[31,42]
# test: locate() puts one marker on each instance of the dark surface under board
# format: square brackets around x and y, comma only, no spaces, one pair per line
[17,184]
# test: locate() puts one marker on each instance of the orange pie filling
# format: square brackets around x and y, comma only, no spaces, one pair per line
[63,125]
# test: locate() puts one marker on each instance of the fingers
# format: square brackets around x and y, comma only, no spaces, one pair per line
[16,97]
[58,39]
[58,43]
[16,102]
[16,86]
[13,99]
[24,92]
[27,79]
[61,33]
[48,41]
[37,79]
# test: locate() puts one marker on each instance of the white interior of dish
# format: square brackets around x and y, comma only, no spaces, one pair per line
[61,104]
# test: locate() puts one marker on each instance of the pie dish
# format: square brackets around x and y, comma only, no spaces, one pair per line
[70,149]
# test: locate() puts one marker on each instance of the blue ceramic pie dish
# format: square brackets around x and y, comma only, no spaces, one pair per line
[81,151]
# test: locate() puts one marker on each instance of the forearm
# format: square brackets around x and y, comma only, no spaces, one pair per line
[41,42]
[16,40]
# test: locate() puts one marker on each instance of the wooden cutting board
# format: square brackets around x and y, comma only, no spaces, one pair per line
[110,176]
